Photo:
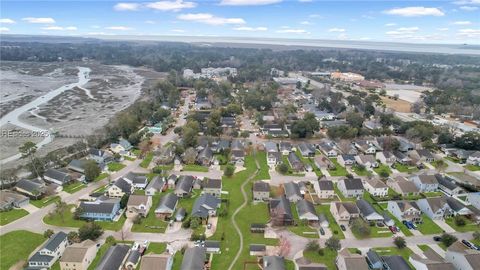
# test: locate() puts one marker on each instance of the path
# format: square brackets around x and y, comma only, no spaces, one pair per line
[245,201]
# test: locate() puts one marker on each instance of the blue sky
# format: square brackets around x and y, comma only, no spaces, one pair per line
[455,21]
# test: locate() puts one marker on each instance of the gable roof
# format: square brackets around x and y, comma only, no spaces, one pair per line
[136,200]
[376,183]
[203,204]
[29,185]
[123,185]
[366,208]
[427,179]
[167,203]
[273,263]
[281,204]
[325,185]
[54,241]
[76,252]
[261,186]
[292,189]
[194,258]
[185,183]
[396,262]
[113,258]
[154,262]
[156,183]
[99,207]
[353,183]
[213,183]
[348,207]
[57,175]
[305,207]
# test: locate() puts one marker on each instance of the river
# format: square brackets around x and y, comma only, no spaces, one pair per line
[13,116]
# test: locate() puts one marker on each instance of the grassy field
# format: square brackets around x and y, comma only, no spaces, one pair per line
[146,161]
[328,257]
[469,226]
[151,224]
[360,171]
[12,215]
[383,168]
[195,168]
[428,226]
[16,246]
[471,167]
[262,161]
[432,194]
[339,170]
[156,248]
[405,169]
[74,187]
[115,166]
[45,201]
[101,176]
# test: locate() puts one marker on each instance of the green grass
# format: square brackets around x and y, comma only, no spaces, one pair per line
[301,229]
[328,257]
[262,161]
[146,161]
[388,251]
[156,248]
[68,221]
[469,226]
[101,176]
[101,251]
[428,226]
[115,166]
[165,167]
[471,167]
[340,195]
[432,194]
[45,201]
[177,261]
[424,247]
[195,168]
[453,159]
[339,170]
[136,152]
[360,171]
[74,187]
[12,215]
[309,161]
[151,224]
[383,168]
[333,225]
[405,168]
[16,246]
[129,158]
[290,170]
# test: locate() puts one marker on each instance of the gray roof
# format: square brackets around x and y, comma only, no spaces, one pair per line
[285,146]
[348,157]
[55,240]
[134,256]
[322,218]
[206,153]
[113,259]
[203,204]
[455,204]
[273,263]
[212,244]
[100,207]
[123,185]
[261,186]
[325,185]
[271,147]
[353,183]
[257,247]
[304,207]
[446,182]
[29,185]
[306,148]
[185,183]
[156,183]
[292,189]
[136,178]
[396,262]
[37,257]
[194,258]
[373,257]
[281,204]
[57,175]
[213,183]
[167,203]
[365,208]
[295,161]
[180,214]
[77,164]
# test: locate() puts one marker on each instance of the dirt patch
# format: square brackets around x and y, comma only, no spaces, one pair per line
[398,105]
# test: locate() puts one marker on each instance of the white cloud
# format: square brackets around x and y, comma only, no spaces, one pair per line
[305,1]
[293,31]
[469,33]
[7,21]
[467,2]
[59,28]
[4,29]
[390,24]
[305,23]
[462,23]
[178,30]
[342,36]
[251,29]
[119,28]
[248,2]
[39,20]
[368,17]
[100,34]
[468,8]
[171,5]
[338,30]
[127,6]
[411,33]
[442,29]
[415,11]
[209,19]
[150,22]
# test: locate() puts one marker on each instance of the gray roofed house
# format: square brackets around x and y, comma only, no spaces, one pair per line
[306,210]
[100,210]
[285,147]
[180,214]
[29,187]
[113,258]
[101,157]
[50,252]
[346,160]
[206,205]
[344,211]
[273,263]
[367,212]
[401,185]
[395,262]
[280,211]
[261,191]
[456,207]
[212,246]
[133,259]
[292,191]
[463,257]
[425,182]
[435,208]
[205,156]
[295,162]
[77,165]
[306,149]
[213,187]
[271,147]
[56,176]
[257,249]
[120,188]
[194,258]
[323,220]
[405,145]
[138,180]
[351,187]
[156,185]
[166,206]
[184,186]
[448,185]
[9,199]
[374,260]
[324,189]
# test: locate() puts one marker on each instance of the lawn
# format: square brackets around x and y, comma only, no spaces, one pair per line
[360,171]
[74,187]
[309,161]
[328,257]
[195,168]
[12,215]
[471,167]
[382,207]
[177,260]
[334,227]
[129,158]
[432,194]
[69,221]
[424,247]
[157,248]
[375,232]
[103,249]
[383,168]
[428,226]
[115,166]
[339,170]
[151,224]
[262,161]
[453,159]
[16,246]
[469,226]
[405,168]
[101,176]
[290,170]
[146,161]
[301,229]
[45,201]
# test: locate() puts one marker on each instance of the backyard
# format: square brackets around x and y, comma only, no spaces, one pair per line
[11,215]
[428,226]
[151,223]
[146,161]
[115,166]
[195,168]
[12,250]
[339,170]
[328,257]
[74,187]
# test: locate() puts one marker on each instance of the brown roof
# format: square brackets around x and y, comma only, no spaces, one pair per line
[433,264]
[353,261]
[376,183]
[405,185]
[348,207]
[135,200]
[77,251]
[154,262]
[472,256]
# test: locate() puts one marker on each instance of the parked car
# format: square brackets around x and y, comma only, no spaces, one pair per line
[392,229]
[437,238]
[467,243]
[343,227]
[322,231]
[209,226]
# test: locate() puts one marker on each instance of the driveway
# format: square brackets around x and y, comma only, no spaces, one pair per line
[30,208]
[442,224]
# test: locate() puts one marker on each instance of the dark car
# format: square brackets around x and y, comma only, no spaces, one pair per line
[437,238]
[467,243]
[322,231]
[393,229]
[343,227]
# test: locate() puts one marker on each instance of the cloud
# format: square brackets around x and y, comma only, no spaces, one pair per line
[390,24]
[467,2]
[411,33]
[119,28]
[251,29]
[59,28]
[171,5]
[177,30]
[469,33]
[7,21]
[38,20]
[462,23]
[126,6]
[4,29]
[337,30]
[442,29]
[248,2]
[305,1]
[150,22]
[415,11]
[209,19]
[293,31]
[468,8]
[403,31]
[305,23]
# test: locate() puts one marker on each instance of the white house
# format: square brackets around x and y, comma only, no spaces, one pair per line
[425,183]
[405,210]
[376,187]
[463,257]
[324,189]
[435,208]
[50,252]
[386,157]
[351,187]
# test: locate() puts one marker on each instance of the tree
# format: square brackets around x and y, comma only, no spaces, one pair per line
[90,230]
[60,208]
[476,235]
[145,146]
[355,119]
[282,168]
[459,221]
[28,150]
[440,165]
[448,239]
[360,227]
[194,223]
[92,170]
[400,242]
[229,170]
[333,243]
[190,156]
[48,233]
[312,245]
[78,213]
[298,85]
[73,237]
[124,201]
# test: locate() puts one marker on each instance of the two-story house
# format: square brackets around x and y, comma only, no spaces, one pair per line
[138,205]
[435,208]
[425,182]
[463,257]
[100,210]
[324,189]
[405,210]
[119,188]
[344,211]
[49,253]
[166,206]
[261,191]
[78,256]
[375,187]
[351,187]
[213,187]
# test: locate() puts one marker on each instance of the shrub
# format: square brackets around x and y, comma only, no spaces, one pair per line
[312,246]
[459,221]
[321,252]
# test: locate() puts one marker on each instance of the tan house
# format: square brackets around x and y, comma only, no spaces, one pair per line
[120,188]
[403,186]
[78,256]
[156,262]
[213,187]
[347,261]
[138,205]
[344,211]
[324,189]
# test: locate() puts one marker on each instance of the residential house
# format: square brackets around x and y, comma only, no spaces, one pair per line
[166,155]
[348,261]
[346,160]
[367,212]
[122,147]
[463,257]
[156,262]
[261,191]
[405,145]
[421,155]
[172,181]
[344,211]
[323,220]
[180,214]
[57,177]
[9,200]
[429,261]
[228,122]
[77,165]
[137,180]
[119,188]
[386,157]
[368,161]
[205,156]
[322,162]
[376,187]
[257,250]
[387,220]
[457,208]
[280,212]
[205,206]
[30,188]
[292,191]
[306,149]
[474,199]
[328,148]
[114,258]
[133,259]
[166,206]
[213,187]
[448,185]
[273,263]
[435,208]
[295,162]
[99,209]
[101,157]
[351,187]
[405,210]
[212,246]
[425,182]
[402,186]
[78,256]
[365,146]
[138,205]
[395,262]
[285,148]
[184,186]
[324,189]
[306,211]
[155,186]
[474,158]
[402,158]
[194,258]
[49,253]
[274,130]
[374,260]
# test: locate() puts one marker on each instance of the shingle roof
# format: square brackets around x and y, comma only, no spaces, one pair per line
[212,244]
[134,256]
[156,183]
[273,263]
[113,258]
[396,262]
[194,259]
[353,183]
[167,203]
[55,240]
[99,207]
[213,183]
[325,185]
[305,207]
[76,252]
[57,175]
[28,185]
[261,186]
[257,248]
[292,189]
[203,204]
[185,183]
[123,185]
[365,208]
[154,262]
[135,200]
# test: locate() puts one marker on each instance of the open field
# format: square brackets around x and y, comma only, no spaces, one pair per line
[12,250]
[398,105]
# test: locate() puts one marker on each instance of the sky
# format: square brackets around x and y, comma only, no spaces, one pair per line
[454,21]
